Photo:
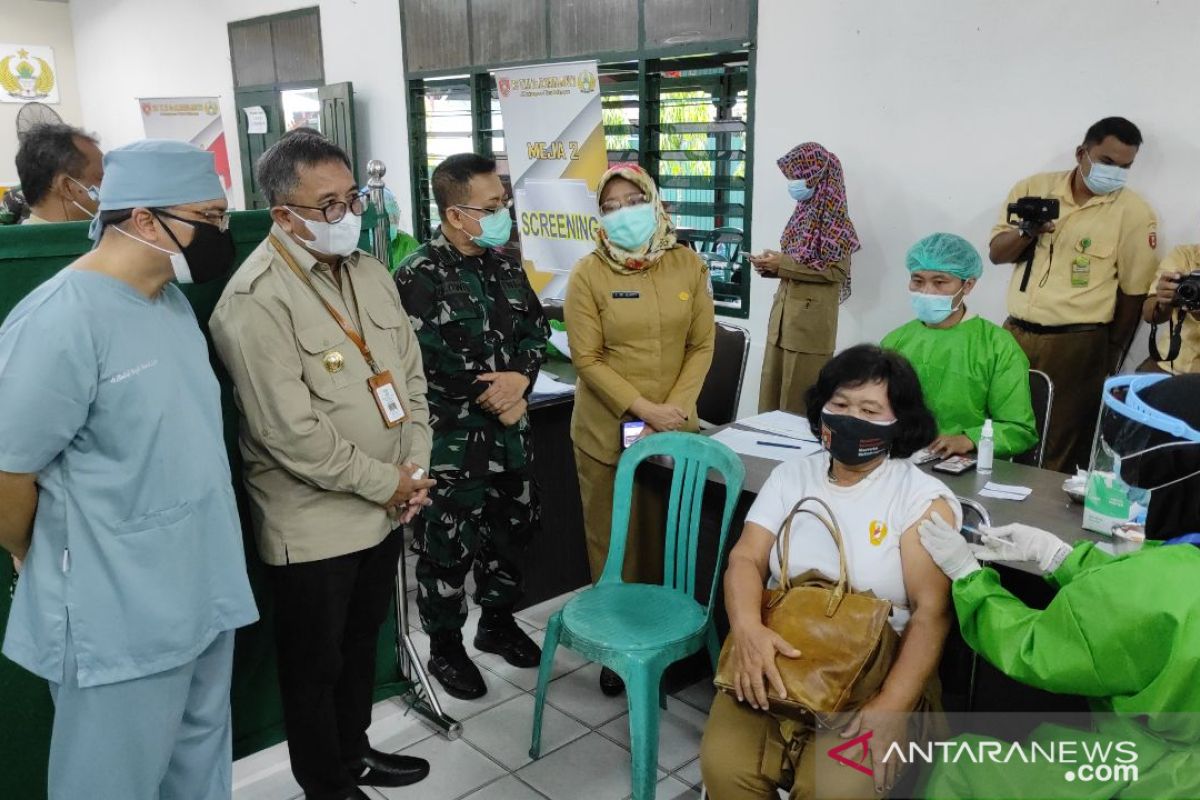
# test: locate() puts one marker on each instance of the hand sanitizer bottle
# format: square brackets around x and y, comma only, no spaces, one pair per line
[986,450]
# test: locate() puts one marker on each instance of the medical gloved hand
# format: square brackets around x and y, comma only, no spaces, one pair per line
[1019,542]
[947,547]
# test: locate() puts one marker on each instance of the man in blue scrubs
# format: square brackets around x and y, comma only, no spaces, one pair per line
[115,493]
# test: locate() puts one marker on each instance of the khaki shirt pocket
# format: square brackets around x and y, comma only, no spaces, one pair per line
[326,356]
[808,317]
[387,321]
[1093,260]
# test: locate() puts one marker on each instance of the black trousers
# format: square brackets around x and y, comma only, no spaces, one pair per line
[327,619]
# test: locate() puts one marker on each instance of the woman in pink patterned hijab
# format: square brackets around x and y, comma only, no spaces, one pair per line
[814,277]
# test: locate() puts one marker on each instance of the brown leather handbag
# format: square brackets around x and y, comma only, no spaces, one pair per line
[846,644]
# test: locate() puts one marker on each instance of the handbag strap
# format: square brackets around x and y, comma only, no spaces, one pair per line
[783,541]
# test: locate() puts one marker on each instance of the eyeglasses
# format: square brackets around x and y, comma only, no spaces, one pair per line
[218,219]
[334,212]
[505,204]
[628,201]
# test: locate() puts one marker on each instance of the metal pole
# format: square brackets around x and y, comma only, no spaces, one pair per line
[380,236]
[421,698]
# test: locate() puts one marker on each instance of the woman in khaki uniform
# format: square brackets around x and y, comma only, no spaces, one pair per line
[639,316]
[814,278]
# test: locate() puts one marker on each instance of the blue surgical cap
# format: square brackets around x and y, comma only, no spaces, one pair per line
[940,252]
[155,173]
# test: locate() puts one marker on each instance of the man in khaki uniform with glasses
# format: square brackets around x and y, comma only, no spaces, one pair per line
[334,434]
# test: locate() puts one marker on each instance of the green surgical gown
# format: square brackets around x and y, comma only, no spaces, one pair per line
[1124,632]
[969,373]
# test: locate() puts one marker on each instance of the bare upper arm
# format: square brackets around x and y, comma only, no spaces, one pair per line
[927,586]
[754,547]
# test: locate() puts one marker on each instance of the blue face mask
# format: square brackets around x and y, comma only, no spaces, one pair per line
[495,229]
[630,228]
[800,190]
[1104,178]
[932,309]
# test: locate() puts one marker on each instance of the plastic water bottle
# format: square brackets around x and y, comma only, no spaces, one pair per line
[986,448]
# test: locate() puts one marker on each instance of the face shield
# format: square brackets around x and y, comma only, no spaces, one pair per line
[1142,440]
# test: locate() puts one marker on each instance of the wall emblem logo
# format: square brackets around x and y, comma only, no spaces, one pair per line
[26,76]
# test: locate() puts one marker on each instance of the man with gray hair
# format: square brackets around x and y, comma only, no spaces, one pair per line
[335,438]
[60,169]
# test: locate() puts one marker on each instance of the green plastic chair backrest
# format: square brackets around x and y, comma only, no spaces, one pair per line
[694,457]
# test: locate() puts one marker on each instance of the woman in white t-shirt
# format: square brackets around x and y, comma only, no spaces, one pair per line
[868,406]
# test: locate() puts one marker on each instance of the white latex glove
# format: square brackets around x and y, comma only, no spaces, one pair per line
[947,547]
[1019,542]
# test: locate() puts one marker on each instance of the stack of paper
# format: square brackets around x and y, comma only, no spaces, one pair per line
[765,445]
[548,386]
[1003,491]
[780,423]
[559,340]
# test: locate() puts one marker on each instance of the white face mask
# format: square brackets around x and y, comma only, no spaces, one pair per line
[179,264]
[331,238]
[93,194]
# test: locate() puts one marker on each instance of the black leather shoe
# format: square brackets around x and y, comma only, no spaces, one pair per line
[499,633]
[610,682]
[384,769]
[450,664]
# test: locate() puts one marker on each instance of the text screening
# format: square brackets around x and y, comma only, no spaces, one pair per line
[558,225]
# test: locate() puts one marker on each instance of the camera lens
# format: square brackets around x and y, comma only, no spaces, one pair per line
[1188,293]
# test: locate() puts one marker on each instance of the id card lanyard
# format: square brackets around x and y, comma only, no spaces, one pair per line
[380,384]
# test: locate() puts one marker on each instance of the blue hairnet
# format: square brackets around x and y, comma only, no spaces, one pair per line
[155,173]
[941,252]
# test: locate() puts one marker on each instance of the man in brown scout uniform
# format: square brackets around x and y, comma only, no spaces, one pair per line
[1078,282]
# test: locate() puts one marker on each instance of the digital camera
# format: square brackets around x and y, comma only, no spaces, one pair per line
[1034,212]
[1187,294]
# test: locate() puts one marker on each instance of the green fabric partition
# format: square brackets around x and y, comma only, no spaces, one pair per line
[29,255]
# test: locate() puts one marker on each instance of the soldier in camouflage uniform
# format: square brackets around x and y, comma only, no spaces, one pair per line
[483,338]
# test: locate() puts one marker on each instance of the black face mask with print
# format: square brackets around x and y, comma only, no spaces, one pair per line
[853,441]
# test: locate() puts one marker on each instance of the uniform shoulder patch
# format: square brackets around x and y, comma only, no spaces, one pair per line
[256,265]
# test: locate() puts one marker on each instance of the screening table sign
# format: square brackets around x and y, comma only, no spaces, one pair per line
[556,154]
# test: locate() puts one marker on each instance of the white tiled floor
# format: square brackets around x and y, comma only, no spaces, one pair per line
[585,737]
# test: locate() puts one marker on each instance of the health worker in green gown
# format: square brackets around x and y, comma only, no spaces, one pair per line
[970,369]
[1122,631]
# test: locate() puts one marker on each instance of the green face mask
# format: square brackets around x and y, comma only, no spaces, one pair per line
[495,228]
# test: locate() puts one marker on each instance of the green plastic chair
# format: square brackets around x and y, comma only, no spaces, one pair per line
[638,629]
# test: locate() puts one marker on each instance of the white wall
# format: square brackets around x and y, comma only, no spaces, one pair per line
[937,107]
[37,22]
[152,48]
